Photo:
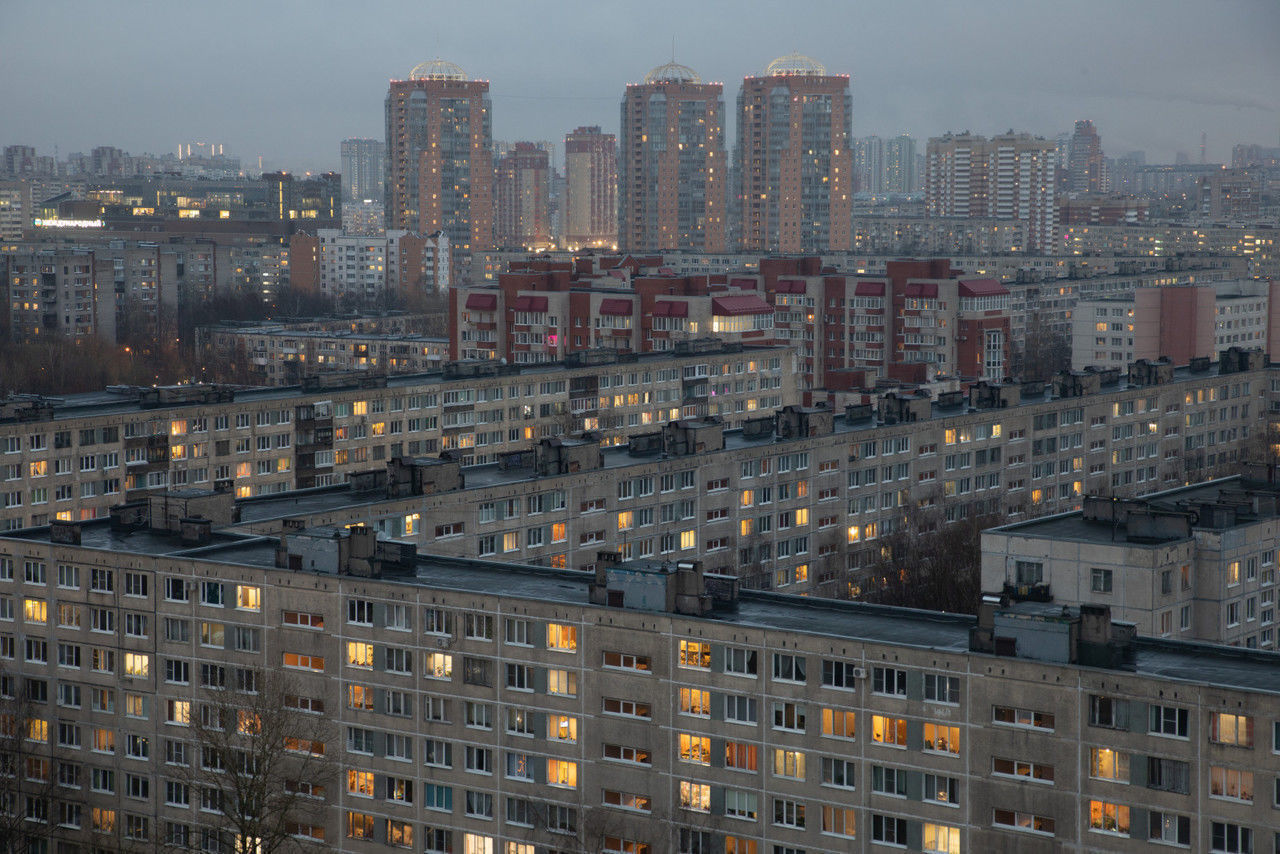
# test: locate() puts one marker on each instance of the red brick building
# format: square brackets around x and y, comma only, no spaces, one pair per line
[920,322]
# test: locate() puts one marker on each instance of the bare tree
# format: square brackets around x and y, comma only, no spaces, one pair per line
[27,772]
[1042,352]
[928,562]
[257,759]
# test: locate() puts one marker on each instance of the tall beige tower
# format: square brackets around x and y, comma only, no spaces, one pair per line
[439,155]
[591,188]
[672,169]
[794,161]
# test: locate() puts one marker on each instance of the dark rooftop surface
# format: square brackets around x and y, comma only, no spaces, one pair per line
[104,402]
[1229,667]
[100,535]
[1074,527]
[481,476]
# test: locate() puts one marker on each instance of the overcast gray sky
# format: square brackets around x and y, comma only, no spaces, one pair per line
[289,79]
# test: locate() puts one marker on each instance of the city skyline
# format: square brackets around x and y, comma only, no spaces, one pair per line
[1138,93]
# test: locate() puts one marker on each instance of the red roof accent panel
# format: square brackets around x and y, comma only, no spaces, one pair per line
[742,282]
[482,302]
[615,306]
[790,286]
[981,288]
[869,289]
[746,304]
[671,309]
[920,289]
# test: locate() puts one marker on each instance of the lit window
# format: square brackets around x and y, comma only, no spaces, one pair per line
[248,597]
[1226,728]
[561,772]
[886,730]
[562,637]
[1108,817]
[360,654]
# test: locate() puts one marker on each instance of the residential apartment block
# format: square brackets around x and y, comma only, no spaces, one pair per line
[793,158]
[590,188]
[1192,563]
[439,155]
[482,708]
[370,269]
[1008,177]
[74,457]
[522,216]
[276,355]
[541,311]
[800,501]
[918,322]
[673,170]
[1181,323]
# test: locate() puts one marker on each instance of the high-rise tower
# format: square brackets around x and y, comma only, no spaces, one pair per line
[521,194]
[900,165]
[440,155]
[362,169]
[591,188]
[794,162]
[1086,164]
[1008,177]
[672,168]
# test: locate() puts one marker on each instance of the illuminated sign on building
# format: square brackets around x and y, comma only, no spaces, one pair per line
[67,223]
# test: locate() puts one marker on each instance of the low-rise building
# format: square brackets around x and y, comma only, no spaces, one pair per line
[76,456]
[1180,322]
[1193,563]
[369,269]
[803,500]
[277,354]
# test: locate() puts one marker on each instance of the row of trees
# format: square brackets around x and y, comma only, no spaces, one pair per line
[161,348]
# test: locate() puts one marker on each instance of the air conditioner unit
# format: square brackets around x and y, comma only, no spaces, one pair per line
[444,642]
[859,673]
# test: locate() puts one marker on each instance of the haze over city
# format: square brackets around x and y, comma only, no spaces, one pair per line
[287,80]
[648,428]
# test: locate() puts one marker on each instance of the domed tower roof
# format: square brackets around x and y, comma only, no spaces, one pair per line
[437,69]
[795,64]
[672,72]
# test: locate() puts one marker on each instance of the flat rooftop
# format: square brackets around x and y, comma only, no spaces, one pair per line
[285,332]
[617,457]
[1229,667]
[106,402]
[1074,527]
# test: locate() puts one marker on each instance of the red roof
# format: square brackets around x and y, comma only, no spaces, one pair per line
[671,309]
[869,289]
[981,288]
[615,306]
[744,283]
[920,289]
[745,304]
[531,304]
[790,286]
[482,302]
